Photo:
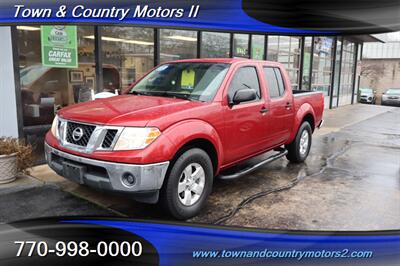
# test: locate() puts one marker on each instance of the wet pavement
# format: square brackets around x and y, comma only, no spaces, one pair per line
[350,181]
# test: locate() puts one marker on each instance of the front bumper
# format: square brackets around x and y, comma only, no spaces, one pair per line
[108,175]
[363,100]
[391,102]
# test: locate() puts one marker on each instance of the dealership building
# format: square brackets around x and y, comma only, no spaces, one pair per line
[110,58]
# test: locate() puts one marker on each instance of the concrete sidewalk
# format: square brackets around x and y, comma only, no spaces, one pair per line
[349,182]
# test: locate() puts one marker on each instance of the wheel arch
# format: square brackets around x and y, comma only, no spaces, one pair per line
[196,134]
[304,113]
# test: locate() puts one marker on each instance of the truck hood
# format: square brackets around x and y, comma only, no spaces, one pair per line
[125,110]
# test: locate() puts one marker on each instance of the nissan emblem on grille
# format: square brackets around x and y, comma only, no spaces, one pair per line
[77,134]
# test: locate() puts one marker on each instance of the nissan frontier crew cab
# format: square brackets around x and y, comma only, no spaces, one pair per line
[186,122]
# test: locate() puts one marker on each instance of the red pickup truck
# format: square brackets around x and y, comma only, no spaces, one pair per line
[183,124]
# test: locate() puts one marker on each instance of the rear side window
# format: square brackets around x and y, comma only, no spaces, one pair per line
[244,78]
[274,80]
[280,81]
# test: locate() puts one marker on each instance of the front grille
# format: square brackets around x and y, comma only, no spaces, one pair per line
[87,133]
[109,138]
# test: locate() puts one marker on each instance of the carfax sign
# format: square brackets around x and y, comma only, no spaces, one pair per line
[59,46]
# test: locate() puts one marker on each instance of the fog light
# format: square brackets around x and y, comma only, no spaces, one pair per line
[128,179]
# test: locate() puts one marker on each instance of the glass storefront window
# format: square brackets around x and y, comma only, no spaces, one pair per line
[257,46]
[215,44]
[322,66]
[177,44]
[286,50]
[127,53]
[46,89]
[241,45]
[336,78]
[306,63]
[347,73]
[358,70]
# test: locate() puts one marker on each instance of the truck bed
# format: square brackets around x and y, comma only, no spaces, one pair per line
[313,98]
[297,93]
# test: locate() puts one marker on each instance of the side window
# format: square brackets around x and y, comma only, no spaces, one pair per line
[244,78]
[280,81]
[274,80]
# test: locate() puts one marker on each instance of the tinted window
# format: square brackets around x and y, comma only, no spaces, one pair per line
[280,81]
[245,77]
[272,82]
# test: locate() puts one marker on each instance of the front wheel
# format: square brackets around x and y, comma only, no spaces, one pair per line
[188,185]
[299,148]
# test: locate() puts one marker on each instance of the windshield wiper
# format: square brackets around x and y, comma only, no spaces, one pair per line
[183,96]
[141,93]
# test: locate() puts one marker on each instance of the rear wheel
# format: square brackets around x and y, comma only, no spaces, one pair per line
[299,148]
[188,185]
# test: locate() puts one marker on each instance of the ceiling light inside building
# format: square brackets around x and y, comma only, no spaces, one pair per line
[112,39]
[182,38]
[30,28]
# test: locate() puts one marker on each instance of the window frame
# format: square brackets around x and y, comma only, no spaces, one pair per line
[274,69]
[235,70]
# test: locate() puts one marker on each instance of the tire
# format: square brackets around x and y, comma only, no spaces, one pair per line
[177,203]
[297,153]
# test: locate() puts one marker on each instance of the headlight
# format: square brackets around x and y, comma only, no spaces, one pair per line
[54,127]
[136,138]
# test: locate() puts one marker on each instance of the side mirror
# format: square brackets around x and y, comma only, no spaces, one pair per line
[243,95]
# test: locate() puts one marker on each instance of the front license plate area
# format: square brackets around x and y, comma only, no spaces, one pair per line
[74,172]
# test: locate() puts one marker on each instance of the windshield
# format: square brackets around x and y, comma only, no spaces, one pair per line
[192,81]
[365,90]
[393,91]
[32,73]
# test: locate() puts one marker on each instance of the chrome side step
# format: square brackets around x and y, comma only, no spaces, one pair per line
[281,152]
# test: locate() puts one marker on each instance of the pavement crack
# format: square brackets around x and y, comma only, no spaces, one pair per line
[327,164]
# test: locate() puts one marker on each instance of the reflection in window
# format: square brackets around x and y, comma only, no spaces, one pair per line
[347,73]
[45,89]
[306,63]
[214,44]
[257,47]
[336,80]
[241,45]
[322,66]
[128,53]
[177,44]
[286,50]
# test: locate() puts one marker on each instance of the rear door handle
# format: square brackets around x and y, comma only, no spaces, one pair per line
[264,110]
[288,105]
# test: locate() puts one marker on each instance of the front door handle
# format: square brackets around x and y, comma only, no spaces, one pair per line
[264,110]
[288,106]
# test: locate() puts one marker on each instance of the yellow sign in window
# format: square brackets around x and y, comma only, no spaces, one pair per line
[187,78]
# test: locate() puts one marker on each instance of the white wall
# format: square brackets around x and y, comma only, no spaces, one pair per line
[8,107]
